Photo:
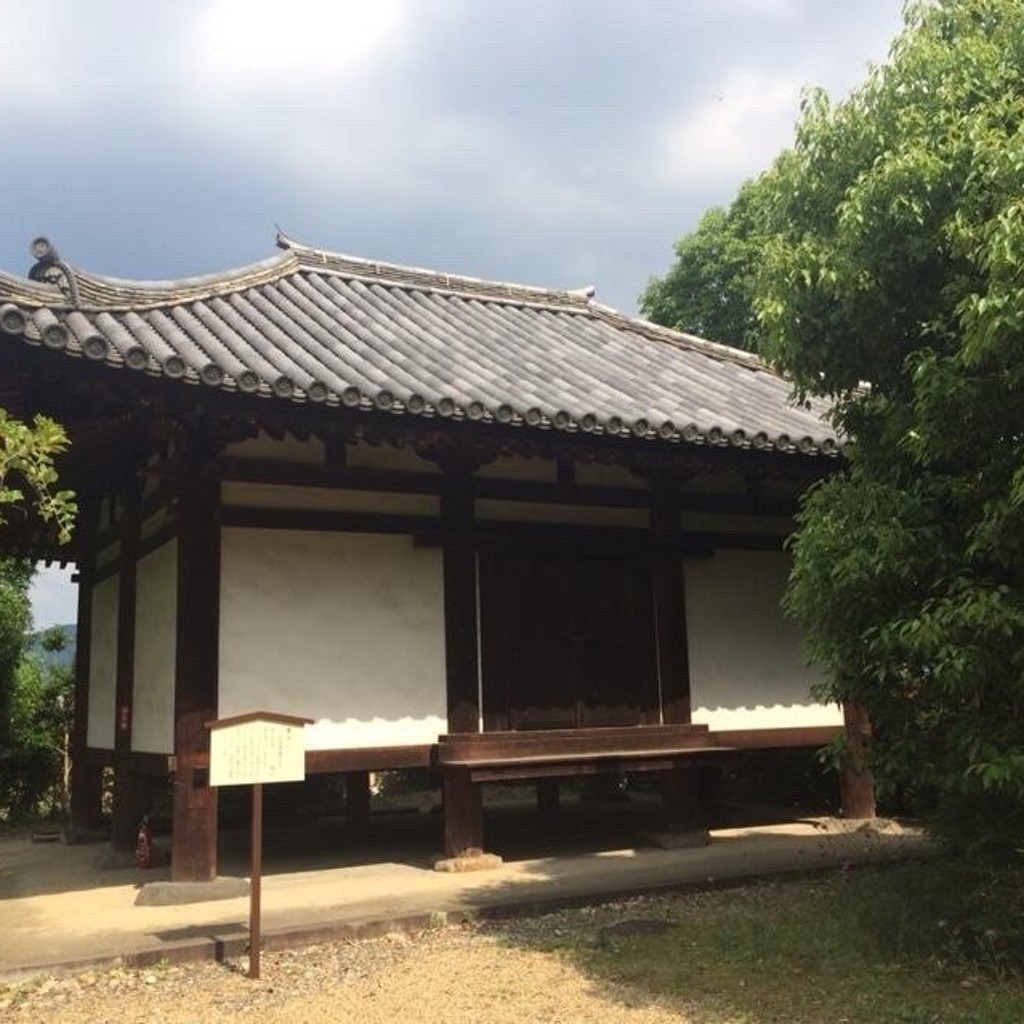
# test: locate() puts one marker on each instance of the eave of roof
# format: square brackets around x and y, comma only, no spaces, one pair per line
[310,325]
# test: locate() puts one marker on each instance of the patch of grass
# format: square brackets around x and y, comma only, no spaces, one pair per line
[912,944]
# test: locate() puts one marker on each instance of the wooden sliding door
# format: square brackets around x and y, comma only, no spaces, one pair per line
[567,639]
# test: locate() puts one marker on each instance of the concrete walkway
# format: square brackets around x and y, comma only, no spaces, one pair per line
[60,909]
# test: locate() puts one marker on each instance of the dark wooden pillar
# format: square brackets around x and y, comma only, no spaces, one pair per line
[463,815]
[460,611]
[463,802]
[86,779]
[548,799]
[669,604]
[681,785]
[681,798]
[129,797]
[357,801]
[856,783]
[194,840]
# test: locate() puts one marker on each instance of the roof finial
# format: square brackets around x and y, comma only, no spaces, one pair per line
[51,269]
[282,241]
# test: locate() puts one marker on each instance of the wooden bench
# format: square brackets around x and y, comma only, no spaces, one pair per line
[489,756]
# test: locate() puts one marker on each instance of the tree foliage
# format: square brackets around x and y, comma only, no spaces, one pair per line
[28,478]
[881,262]
[893,283]
[710,288]
[15,624]
[38,765]
[36,702]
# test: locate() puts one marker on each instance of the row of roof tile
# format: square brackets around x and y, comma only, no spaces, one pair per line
[312,326]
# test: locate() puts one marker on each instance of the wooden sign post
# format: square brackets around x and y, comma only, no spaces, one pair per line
[250,750]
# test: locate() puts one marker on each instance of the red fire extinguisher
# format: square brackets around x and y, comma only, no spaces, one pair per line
[144,845]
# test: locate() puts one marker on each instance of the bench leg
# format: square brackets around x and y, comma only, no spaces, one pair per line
[681,799]
[357,802]
[463,815]
[548,799]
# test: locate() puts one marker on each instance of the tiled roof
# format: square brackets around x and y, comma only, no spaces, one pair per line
[312,326]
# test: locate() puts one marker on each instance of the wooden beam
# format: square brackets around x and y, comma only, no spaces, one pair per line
[373,759]
[563,491]
[551,745]
[669,605]
[462,671]
[776,739]
[194,836]
[326,520]
[86,777]
[129,796]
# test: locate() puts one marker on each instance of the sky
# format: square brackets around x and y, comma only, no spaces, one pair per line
[551,143]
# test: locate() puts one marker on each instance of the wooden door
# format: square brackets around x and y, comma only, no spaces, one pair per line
[567,639]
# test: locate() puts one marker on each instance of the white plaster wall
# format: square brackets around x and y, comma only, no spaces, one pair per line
[598,474]
[343,628]
[155,640]
[105,556]
[103,664]
[577,515]
[328,499]
[746,667]
[155,522]
[519,467]
[288,449]
[387,456]
[775,526]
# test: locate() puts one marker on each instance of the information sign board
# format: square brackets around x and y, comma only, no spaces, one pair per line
[258,749]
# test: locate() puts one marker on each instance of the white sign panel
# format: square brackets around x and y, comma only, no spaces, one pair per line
[248,752]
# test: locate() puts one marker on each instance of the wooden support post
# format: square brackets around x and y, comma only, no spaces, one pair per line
[548,799]
[129,789]
[256,881]
[460,605]
[856,783]
[681,799]
[86,779]
[669,605]
[357,802]
[194,829]
[463,815]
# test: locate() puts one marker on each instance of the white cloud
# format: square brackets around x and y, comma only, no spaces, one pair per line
[782,10]
[245,45]
[732,132]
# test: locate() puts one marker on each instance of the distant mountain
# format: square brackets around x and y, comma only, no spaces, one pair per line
[62,653]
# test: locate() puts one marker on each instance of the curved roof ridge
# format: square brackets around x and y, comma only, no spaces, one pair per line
[16,288]
[683,339]
[320,260]
[100,290]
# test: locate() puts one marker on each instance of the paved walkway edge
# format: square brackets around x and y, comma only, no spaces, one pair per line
[232,942]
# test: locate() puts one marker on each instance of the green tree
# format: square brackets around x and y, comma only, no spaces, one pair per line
[892,283]
[28,477]
[38,765]
[15,625]
[710,288]
[28,486]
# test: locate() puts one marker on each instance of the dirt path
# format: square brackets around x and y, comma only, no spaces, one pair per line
[490,973]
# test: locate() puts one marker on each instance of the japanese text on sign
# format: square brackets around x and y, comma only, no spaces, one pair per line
[256,751]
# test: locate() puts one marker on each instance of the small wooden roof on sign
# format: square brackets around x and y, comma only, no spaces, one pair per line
[273,717]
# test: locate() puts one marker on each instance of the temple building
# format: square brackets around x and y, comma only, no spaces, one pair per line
[501,532]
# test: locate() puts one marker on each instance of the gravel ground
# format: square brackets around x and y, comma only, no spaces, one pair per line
[494,971]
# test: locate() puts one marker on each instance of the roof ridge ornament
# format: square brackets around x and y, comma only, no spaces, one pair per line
[49,268]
